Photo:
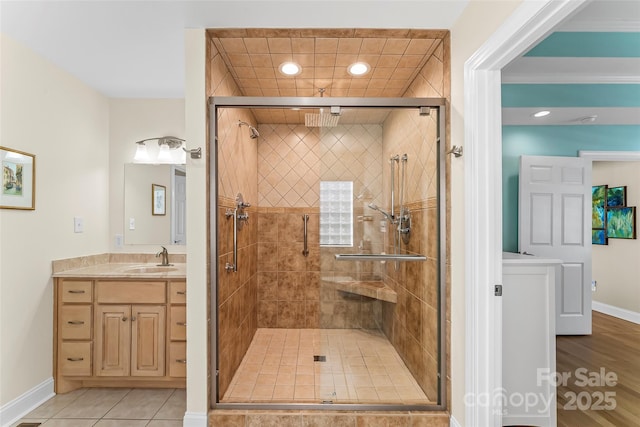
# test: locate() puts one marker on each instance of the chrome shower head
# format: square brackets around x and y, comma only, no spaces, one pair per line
[254,134]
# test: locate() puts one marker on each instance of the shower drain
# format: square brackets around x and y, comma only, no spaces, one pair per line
[319,358]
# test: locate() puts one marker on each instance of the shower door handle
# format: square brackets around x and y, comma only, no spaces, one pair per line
[305,219]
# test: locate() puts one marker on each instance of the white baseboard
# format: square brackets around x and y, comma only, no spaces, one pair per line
[194,419]
[25,403]
[453,422]
[620,313]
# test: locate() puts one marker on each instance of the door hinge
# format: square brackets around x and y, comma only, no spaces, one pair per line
[497,290]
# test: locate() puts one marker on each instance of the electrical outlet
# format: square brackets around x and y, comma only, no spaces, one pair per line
[594,285]
[119,241]
[132,223]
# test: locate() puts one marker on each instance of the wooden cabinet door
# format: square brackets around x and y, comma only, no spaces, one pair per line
[148,325]
[113,340]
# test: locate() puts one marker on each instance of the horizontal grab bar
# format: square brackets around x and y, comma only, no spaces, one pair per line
[379,257]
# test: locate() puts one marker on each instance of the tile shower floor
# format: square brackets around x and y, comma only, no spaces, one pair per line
[361,366]
[111,407]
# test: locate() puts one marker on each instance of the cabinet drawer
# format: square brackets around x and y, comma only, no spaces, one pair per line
[178,292]
[75,322]
[76,291]
[178,359]
[75,359]
[131,292]
[178,329]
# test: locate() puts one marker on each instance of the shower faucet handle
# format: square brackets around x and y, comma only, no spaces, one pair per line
[244,205]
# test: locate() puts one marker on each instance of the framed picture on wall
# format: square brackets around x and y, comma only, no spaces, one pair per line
[158,199]
[621,222]
[599,237]
[18,179]
[598,207]
[617,196]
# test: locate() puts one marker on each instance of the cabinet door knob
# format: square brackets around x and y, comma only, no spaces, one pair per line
[75,359]
[125,318]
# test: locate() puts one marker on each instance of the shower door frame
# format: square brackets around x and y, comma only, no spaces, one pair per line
[251,102]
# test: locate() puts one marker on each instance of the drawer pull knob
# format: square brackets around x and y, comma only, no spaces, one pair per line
[181,360]
[75,322]
[125,318]
[75,359]
[181,292]
[76,291]
[181,323]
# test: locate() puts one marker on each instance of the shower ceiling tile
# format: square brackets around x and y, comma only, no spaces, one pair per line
[395,58]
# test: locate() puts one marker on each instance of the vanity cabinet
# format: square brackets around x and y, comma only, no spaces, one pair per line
[178,329]
[120,333]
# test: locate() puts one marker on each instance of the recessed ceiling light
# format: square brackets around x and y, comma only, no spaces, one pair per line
[358,68]
[588,119]
[542,113]
[290,68]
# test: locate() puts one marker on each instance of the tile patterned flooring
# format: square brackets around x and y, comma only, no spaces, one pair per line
[361,367]
[111,407]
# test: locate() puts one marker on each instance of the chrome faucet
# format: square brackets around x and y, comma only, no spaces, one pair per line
[165,257]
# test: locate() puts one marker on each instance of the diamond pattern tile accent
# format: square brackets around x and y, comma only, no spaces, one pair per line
[293,159]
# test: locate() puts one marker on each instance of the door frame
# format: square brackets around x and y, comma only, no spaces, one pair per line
[531,22]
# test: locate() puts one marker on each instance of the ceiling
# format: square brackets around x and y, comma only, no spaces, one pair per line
[587,72]
[253,57]
[135,49]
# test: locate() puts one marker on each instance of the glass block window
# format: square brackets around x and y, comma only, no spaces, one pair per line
[336,213]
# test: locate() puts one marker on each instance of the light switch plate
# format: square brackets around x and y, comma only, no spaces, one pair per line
[132,223]
[78,225]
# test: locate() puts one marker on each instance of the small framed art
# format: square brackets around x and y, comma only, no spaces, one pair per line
[158,199]
[18,179]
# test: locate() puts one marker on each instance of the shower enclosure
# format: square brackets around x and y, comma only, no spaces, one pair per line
[328,253]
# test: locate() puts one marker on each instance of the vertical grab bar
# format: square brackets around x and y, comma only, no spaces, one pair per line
[305,219]
[234,266]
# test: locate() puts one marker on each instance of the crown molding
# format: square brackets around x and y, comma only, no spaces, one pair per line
[572,70]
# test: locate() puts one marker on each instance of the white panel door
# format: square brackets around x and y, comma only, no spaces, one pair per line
[555,222]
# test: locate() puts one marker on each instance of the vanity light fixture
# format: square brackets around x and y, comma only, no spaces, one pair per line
[168,151]
[290,69]
[358,68]
[542,113]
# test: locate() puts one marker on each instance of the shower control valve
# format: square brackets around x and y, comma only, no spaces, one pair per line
[243,217]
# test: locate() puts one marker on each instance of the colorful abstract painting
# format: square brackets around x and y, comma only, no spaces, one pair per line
[617,196]
[598,206]
[621,223]
[599,237]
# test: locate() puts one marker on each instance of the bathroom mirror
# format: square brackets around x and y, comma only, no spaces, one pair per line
[141,226]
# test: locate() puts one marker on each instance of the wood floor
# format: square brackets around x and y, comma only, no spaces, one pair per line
[585,399]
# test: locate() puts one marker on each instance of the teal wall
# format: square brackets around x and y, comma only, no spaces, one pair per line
[551,141]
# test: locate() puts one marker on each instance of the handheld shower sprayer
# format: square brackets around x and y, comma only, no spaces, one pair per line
[385,214]
[253,131]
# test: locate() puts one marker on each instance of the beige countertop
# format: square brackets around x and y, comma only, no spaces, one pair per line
[128,271]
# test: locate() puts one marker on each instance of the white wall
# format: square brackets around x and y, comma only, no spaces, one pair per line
[615,266]
[197,286]
[132,120]
[49,113]
[479,20]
